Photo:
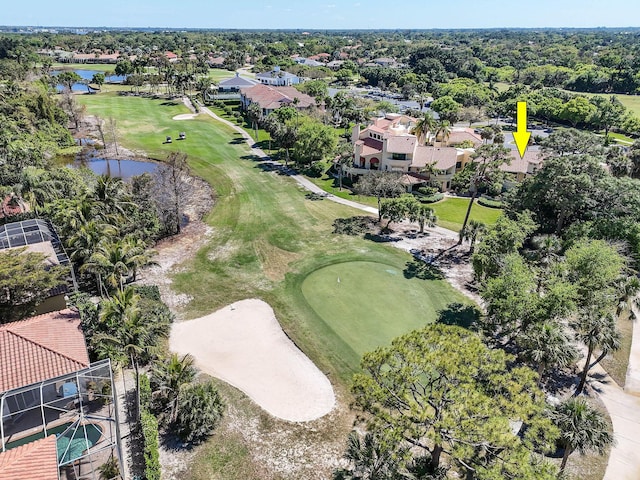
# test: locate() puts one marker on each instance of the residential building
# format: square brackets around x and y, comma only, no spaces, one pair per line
[387,144]
[271,98]
[235,83]
[278,78]
[59,416]
[308,62]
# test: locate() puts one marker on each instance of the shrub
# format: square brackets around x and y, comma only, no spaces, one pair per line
[199,411]
[433,198]
[315,170]
[354,225]
[149,425]
[488,202]
[145,392]
[148,291]
[427,191]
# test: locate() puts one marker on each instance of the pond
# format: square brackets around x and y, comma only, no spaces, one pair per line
[87,75]
[124,169]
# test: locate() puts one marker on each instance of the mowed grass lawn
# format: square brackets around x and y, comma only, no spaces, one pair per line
[368,303]
[267,237]
[451,212]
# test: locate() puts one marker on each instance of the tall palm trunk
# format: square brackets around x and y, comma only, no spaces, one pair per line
[136,368]
[585,371]
[466,217]
[565,457]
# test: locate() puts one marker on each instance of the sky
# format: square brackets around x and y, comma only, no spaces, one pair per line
[324,14]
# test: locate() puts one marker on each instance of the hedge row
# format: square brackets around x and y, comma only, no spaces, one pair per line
[487,202]
[150,435]
[432,199]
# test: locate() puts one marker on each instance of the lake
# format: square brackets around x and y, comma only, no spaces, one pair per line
[124,169]
[87,75]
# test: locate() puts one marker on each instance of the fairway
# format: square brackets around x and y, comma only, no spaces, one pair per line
[368,304]
[268,238]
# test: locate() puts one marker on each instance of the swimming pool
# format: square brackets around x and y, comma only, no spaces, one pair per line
[72,443]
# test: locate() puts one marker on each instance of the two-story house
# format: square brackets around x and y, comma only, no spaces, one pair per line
[277,78]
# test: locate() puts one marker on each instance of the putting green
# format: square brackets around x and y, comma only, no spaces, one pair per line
[367,304]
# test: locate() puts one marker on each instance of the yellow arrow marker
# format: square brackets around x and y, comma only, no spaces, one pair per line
[521,136]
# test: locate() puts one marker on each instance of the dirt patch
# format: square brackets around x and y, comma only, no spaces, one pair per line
[172,252]
[275,261]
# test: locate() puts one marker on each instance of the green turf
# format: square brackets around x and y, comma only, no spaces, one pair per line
[451,212]
[267,237]
[97,67]
[355,300]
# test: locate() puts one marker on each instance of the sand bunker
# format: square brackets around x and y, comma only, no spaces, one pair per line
[244,345]
[185,116]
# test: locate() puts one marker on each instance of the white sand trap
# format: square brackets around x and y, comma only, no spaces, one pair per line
[244,345]
[186,116]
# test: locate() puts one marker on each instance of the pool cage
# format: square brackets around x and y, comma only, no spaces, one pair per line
[80,408]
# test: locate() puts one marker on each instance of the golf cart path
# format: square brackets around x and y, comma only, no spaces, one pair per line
[312,187]
[623,406]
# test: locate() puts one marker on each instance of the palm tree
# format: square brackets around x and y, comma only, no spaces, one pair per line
[628,297]
[132,338]
[596,330]
[138,254]
[111,263]
[488,159]
[111,194]
[422,214]
[167,378]
[443,130]
[199,411]
[369,459]
[471,232]
[547,344]
[582,428]
[424,127]
[85,240]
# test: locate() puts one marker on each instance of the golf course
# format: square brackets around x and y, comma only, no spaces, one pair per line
[269,242]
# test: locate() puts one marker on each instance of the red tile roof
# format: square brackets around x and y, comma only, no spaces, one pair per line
[521,165]
[371,146]
[33,461]
[271,98]
[459,136]
[9,207]
[443,157]
[41,347]
[401,144]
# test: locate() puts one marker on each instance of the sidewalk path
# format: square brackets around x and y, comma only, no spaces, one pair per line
[312,187]
[623,406]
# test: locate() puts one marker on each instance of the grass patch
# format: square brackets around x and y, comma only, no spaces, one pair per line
[616,363]
[94,67]
[330,185]
[267,239]
[354,299]
[451,212]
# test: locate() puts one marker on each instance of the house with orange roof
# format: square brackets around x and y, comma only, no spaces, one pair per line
[271,98]
[59,418]
[388,144]
[33,461]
